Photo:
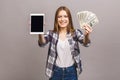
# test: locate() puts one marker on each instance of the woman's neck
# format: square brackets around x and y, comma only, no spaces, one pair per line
[62,34]
[63,30]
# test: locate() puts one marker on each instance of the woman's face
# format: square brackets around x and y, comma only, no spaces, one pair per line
[63,19]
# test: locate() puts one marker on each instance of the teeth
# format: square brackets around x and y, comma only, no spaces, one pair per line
[63,22]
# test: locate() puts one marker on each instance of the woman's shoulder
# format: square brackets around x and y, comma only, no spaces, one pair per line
[78,31]
[50,32]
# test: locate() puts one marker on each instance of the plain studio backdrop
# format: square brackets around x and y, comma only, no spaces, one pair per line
[22,59]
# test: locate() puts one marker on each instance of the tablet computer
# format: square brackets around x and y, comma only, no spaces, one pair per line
[37,23]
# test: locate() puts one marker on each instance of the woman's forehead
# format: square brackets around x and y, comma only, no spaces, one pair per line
[62,12]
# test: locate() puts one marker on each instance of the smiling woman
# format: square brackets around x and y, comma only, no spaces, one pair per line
[63,60]
[63,15]
[63,19]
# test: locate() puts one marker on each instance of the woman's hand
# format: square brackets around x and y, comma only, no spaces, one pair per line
[41,38]
[87,29]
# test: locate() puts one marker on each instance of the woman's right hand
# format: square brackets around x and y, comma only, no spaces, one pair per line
[41,38]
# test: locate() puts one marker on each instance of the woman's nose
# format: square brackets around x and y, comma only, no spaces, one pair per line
[62,18]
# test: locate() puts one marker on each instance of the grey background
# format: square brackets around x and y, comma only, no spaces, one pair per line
[22,59]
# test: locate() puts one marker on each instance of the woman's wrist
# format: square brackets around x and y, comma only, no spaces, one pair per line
[86,39]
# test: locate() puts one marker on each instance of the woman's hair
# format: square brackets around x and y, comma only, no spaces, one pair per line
[70,27]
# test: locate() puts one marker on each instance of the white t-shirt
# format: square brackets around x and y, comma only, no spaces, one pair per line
[64,58]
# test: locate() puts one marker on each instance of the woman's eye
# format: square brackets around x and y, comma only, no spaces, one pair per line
[65,16]
[59,16]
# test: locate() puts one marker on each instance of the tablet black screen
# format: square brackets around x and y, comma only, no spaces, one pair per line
[37,23]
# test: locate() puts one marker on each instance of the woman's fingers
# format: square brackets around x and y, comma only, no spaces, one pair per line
[87,29]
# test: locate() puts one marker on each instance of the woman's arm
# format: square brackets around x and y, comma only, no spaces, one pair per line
[87,32]
[86,40]
[41,39]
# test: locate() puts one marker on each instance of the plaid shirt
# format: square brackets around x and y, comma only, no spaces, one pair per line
[73,40]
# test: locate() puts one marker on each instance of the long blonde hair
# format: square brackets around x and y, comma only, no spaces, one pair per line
[70,28]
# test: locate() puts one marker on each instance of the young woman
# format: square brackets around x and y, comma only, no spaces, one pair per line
[63,62]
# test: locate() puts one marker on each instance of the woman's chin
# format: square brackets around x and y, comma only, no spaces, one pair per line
[63,26]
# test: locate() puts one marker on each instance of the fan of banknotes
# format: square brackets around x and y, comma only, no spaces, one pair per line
[87,18]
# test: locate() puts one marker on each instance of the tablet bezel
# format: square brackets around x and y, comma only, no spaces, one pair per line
[37,14]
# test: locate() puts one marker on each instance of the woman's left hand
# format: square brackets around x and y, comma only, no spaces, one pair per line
[88,29]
